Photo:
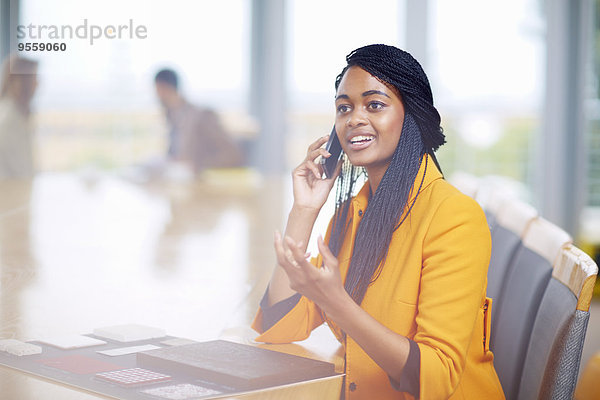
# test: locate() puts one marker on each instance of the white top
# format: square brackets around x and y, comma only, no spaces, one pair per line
[16,142]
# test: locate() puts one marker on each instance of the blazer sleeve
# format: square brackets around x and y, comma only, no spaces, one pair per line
[456,253]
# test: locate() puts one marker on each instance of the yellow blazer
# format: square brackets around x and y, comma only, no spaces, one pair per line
[431,290]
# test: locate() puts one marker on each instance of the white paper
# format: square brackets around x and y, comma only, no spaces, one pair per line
[128,350]
[182,391]
[71,341]
[18,348]
[6,343]
[177,342]
[129,332]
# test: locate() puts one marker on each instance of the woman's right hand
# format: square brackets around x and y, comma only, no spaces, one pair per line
[310,193]
[310,189]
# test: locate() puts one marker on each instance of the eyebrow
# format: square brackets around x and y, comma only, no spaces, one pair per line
[372,92]
[365,94]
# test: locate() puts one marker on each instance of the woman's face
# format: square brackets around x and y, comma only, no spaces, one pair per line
[369,118]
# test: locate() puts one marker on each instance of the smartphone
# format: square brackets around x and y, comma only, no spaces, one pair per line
[335,148]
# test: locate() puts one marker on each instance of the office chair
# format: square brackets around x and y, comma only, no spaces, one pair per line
[554,351]
[521,295]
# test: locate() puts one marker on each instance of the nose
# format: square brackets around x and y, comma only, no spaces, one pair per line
[356,118]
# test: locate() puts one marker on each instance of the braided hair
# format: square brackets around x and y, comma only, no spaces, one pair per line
[421,133]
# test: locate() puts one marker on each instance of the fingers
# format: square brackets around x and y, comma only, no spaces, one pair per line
[317,170]
[290,256]
[329,259]
[310,163]
[294,263]
[299,257]
[318,143]
[312,155]
[314,151]
[313,165]
[317,284]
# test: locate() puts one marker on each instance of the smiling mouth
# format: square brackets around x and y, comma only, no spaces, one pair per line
[361,139]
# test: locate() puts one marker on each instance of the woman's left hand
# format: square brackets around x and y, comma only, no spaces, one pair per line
[322,285]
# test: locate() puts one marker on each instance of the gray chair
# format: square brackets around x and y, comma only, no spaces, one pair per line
[554,352]
[522,293]
[513,219]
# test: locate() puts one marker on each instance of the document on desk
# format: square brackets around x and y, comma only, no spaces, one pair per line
[128,350]
[67,342]
[235,365]
[129,332]
[18,348]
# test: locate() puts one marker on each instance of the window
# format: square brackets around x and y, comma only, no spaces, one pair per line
[487,72]
[96,102]
[320,36]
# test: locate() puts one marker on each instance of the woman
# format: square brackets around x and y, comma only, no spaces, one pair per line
[401,273]
[19,82]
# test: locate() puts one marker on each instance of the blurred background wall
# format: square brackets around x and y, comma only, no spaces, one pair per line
[516,83]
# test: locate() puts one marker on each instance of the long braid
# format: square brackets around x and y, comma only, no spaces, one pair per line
[388,208]
[383,212]
[346,183]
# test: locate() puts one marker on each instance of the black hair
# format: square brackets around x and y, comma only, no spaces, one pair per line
[421,134]
[167,76]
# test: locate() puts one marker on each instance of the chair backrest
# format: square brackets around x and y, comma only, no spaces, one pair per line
[491,197]
[513,219]
[493,192]
[554,352]
[465,182]
[522,293]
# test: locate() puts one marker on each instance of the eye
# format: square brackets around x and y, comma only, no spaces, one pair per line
[343,108]
[375,105]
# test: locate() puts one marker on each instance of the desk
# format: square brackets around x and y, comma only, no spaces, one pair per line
[82,251]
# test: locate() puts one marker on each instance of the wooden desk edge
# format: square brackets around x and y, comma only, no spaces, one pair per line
[270,392]
[57,382]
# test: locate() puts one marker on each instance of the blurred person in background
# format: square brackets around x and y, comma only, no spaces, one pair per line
[19,82]
[196,137]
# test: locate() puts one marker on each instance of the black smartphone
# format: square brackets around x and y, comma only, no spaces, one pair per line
[335,148]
